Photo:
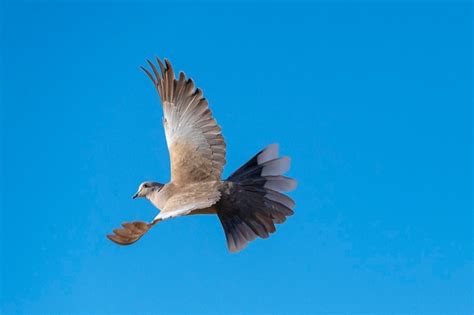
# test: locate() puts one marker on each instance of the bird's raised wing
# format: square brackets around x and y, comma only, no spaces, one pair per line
[131,232]
[195,142]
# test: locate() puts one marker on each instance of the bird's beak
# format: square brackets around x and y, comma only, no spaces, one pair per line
[135,196]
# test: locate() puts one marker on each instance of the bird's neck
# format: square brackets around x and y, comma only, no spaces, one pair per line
[157,198]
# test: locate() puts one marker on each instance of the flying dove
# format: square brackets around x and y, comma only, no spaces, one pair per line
[248,203]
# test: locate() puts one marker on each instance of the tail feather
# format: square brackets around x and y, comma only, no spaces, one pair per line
[274,196]
[252,200]
[269,168]
[267,154]
[276,183]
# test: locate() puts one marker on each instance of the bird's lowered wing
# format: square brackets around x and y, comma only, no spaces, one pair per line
[130,232]
[195,142]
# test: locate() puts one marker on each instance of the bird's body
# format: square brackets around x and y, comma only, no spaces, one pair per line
[248,203]
[177,200]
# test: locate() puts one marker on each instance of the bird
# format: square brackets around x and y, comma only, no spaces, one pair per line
[248,203]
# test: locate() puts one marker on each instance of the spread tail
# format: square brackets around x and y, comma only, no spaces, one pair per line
[252,198]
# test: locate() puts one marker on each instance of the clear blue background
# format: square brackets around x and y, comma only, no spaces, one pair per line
[373,102]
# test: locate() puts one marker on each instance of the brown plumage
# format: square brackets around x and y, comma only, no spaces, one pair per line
[249,203]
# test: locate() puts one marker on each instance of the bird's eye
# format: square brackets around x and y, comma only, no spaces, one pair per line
[146,185]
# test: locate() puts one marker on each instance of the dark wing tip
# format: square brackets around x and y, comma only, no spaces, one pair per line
[167,63]
[148,73]
[162,66]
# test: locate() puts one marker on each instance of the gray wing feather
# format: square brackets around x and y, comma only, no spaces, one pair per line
[197,147]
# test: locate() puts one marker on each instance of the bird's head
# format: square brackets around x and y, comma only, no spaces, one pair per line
[146,188]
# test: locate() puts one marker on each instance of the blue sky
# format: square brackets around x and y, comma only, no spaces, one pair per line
[373,102]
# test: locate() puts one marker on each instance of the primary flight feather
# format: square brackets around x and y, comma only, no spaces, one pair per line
[248,203]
